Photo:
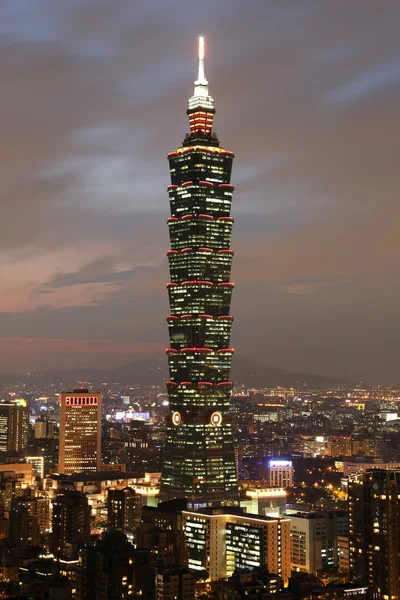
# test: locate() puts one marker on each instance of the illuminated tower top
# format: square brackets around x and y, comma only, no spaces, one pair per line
[201,79]
[201,106]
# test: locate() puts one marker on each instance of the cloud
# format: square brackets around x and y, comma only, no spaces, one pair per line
[94,96]
[41,353]
[374,80]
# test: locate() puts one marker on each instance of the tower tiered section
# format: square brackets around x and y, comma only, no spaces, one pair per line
[198,455]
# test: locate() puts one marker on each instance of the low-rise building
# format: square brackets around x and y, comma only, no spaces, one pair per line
[280,473]
[257,584]
[360,464]
[270,502]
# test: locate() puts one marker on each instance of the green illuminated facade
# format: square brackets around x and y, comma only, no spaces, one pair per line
[198,457]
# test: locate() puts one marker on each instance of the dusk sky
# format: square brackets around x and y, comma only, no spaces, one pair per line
[93,97]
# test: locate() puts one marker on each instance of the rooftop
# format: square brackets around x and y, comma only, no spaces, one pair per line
[87,476]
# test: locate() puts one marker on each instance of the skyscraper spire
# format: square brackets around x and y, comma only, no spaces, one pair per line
[201,84]
[201,80]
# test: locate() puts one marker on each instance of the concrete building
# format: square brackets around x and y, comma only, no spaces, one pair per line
[113,570]
[343,550]
[70,523]
[270,502]
[124,511]
[360,464]
[96,486]
[21,471]
[80,432]
[257,584]
[174,583]
[363,443]
[23,526]
[44,428]
[344,592]
[280,473]
[374,530]
[14,426]
[37,463]
[40,428]
[309,446]
[314,539]
[338,445]
[222,540]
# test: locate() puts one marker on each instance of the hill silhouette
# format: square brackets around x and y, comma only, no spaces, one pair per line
[154,371]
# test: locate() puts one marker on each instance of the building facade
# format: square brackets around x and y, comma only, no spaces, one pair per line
[80,432]
[363,443]
[70,523]
[343,550]
[314,539]
[14,426]
[124,511]
[174,583]
[374,530]
[270,502]
[257,584]
[362,464]
[43,428]
[114,570]
[23,524]
[280,473]
[198,455]
[220,542]
[37,463]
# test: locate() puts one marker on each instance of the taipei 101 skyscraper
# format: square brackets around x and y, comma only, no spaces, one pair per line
[198,454]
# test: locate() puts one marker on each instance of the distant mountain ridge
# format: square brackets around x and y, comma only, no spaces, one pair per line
[154,371]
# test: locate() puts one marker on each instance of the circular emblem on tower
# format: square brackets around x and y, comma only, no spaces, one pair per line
[216,419]
[176,418]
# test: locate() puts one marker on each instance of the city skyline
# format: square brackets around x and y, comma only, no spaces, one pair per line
[90,109]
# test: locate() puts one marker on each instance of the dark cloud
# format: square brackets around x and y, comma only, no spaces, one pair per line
[307,95]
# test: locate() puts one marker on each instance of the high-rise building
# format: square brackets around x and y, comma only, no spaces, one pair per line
[114,570]
[14,426]
[280,473]
[70,523]
[29,504]
[220,541]
[24,525]
[124,511]
[80,432]
[198,455]
[374,530]
[161,530]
